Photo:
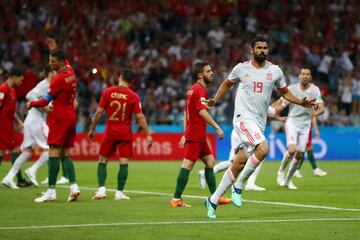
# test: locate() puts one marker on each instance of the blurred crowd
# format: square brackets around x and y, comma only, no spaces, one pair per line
[162,39]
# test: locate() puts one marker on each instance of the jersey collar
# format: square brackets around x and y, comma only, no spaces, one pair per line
[252,64]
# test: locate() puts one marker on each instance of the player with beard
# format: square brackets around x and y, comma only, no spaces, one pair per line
[196,118]
[256,79]
[297,126]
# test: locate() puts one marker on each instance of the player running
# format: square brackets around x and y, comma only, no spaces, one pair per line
[310,154]
[297,126]
[223,165]
[256,79]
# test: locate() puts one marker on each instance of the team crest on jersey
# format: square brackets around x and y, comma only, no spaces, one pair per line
[269,76]
[246,75]
[257,136]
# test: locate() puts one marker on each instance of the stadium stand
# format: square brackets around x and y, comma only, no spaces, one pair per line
[162,39]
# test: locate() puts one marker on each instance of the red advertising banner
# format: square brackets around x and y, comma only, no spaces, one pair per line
[165,147]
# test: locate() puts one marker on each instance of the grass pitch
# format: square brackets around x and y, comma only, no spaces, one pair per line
[322,207]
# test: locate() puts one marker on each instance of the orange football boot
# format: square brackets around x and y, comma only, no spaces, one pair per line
[174,203]
[224,201]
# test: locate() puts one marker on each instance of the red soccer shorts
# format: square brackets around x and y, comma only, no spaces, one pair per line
[7,139]
[109,146]
[309,142]
[18,139]
[62,135]
[196,150]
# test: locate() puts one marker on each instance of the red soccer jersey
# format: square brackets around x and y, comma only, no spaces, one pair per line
[7,112]
[195,129]
[119,103]
[63,91]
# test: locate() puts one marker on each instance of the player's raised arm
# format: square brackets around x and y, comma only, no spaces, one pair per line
[94,121]
[51,44]
[207,117]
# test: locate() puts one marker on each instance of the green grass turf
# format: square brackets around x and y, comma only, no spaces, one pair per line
[339,189]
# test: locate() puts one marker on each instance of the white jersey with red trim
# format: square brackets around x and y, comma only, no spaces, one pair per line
[35,129]
[300,115]
[253,94]
[39,91]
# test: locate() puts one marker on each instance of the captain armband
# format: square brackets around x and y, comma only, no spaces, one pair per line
[48,97]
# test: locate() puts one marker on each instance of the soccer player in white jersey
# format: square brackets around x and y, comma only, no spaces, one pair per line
[298,125]
[256,79]
[223,165]
[35,133]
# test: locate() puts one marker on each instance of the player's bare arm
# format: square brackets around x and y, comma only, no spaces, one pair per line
[41,102]
[95,120]
[318,109]
[18,121]
[223,89]
[76,104]
[292,98]
[315,126]
[279,105]
[206,116]
[143,124]
[274,109]
[183,139]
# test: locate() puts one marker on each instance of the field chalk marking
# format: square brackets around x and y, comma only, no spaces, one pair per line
[244,200]
[177,223]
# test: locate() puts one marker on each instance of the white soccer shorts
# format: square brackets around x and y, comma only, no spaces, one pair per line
[296,136]
[35,134]
[234,141]
[249,134]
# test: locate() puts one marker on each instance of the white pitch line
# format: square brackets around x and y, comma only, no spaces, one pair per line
[177,223]
[244,200]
